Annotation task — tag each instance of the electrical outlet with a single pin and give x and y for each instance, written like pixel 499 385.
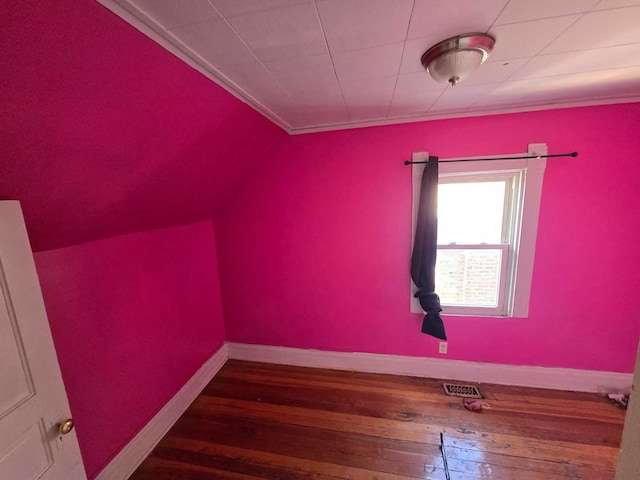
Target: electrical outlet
pixel 442 348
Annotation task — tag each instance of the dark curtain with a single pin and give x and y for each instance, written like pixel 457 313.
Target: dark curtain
pixel 425 248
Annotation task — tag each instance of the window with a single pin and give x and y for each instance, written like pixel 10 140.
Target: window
pixel 486 234
pixel 476 219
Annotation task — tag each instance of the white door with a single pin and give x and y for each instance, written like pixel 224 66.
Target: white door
pixel 32 396
pixel 629 460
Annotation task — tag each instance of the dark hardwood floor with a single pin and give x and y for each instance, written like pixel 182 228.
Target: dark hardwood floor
pixel 259 420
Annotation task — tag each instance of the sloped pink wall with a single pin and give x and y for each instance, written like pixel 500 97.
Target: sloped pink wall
pixel 104 132
pixel 314 253
pixel 133 318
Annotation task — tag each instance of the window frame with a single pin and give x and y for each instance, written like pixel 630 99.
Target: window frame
pixel 514 302
pixel 501 307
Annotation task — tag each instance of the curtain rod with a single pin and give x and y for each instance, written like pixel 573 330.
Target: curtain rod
pixel 572 154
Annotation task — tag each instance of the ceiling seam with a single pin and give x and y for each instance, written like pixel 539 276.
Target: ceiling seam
pixel 250 12
pixel 436 100
pixel 621 7
pixel 498 16
pixel 335 73
pixel 544 18
pixel 585 50
pixel 575 73
pixel 404 44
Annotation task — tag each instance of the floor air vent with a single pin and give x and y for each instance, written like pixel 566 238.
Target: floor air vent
pixel 466 391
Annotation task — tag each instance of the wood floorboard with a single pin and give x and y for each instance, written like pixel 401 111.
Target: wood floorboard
pixel 263 421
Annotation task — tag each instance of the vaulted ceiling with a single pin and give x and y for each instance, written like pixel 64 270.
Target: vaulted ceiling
pixel 322 64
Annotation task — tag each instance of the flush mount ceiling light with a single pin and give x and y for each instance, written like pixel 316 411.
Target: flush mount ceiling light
pixel 456 58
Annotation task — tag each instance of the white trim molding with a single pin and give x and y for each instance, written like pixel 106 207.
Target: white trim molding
pixel 519 375
pixel 481 112
pixel 132 455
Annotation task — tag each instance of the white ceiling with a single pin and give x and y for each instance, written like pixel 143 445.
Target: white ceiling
pixel 311 65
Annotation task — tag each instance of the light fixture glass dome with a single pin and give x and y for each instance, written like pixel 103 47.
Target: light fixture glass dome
pixel 456 58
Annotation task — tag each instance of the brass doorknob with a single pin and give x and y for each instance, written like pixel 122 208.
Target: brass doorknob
pixel 66 426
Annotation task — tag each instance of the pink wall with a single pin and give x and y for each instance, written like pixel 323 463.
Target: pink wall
pixel 314 253
pixel 104 132
pixel 133 318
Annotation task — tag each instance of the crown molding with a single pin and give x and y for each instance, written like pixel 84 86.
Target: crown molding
pixel 426 117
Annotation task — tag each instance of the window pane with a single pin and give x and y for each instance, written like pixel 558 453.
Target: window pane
pixel 470 213
pixel 468 277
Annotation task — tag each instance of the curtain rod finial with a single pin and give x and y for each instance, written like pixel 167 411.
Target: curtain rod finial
pixel 574 154
pixel 407 162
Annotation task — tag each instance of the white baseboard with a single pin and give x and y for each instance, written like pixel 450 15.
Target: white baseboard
pixel 132 455
pixel 524 376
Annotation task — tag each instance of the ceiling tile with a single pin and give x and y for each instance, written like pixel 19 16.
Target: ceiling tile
pixel 360 113
pixel 459 97
pixel 300 117
pixel 257 82
pixel 230 8
pixel 582 61
pixel 607 4
pixel 356 24
pixel 494 72
pixel 172 13
pixel 292 72
pixel 436 20
pixel 371 62
pixel 413 50
pixel 279 33
pixel 523 10
pixel 369 92
pixel 413 103
pixel 314 94
pixel 416 82
pixel 215 42
pixel 399 111
pixel 564 88
pixel 526 39
pixel 600 29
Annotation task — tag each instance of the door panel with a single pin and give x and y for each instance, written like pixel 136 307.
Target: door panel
pixel 32 395
pixel 15 379
pixel 27 454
